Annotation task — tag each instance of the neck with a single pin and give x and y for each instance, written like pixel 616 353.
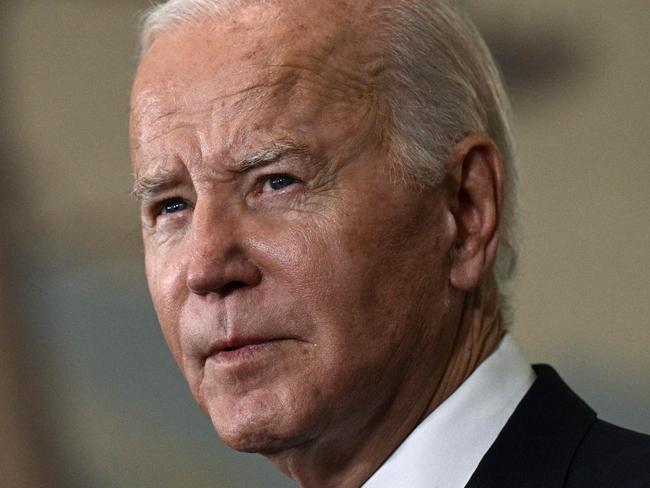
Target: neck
pixel 480 331
pixel 350 462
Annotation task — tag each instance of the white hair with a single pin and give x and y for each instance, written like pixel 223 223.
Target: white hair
pixel 454 88
pixel 173 12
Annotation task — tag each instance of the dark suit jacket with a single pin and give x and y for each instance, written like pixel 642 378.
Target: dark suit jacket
pixel 554 439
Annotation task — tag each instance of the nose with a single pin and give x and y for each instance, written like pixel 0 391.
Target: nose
pixel 219 260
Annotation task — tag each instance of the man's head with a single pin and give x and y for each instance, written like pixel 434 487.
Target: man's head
pixel 318 221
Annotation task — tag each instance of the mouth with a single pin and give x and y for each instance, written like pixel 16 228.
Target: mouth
pixel 237 350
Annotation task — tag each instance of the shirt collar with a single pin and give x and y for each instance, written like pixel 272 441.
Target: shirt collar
pixel 446 447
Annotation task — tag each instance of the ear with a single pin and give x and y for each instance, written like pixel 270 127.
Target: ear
pixel 475 176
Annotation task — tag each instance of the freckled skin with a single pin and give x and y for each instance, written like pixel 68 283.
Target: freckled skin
pixel 351 270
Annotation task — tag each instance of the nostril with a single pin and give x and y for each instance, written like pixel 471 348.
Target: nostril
pixel 232 286
pixel 221 277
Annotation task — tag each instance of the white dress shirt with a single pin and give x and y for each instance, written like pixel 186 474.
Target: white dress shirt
pixel 446 448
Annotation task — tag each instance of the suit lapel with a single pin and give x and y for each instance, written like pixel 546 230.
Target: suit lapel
pixel 537 444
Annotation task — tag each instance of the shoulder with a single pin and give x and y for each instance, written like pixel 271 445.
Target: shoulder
pixel 555 440
pixel 611 456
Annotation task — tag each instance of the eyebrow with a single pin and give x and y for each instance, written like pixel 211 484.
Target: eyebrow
pixel 146 187
pixel 271 154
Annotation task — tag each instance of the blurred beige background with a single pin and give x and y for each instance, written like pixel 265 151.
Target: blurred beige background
pixel 89 396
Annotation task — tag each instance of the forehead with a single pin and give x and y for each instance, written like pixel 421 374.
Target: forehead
pixel 257 46
pixel 263 67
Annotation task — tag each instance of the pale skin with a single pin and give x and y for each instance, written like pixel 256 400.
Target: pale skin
pixel 318 309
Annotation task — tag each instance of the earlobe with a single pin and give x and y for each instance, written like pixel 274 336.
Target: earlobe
pixel 476 174
pixel 466 274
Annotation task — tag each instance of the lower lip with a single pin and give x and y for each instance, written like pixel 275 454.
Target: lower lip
pixel 245 353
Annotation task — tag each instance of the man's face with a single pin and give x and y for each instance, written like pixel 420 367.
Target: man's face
pixel 300 289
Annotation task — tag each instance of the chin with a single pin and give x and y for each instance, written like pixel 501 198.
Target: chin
pixel 259 423
pixel 253 441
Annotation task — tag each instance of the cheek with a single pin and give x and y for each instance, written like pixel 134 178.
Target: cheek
pixel 383 281
pixel 296 257
pixel 165 277
pixel 331 285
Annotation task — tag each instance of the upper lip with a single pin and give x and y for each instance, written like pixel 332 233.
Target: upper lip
pixel 238 342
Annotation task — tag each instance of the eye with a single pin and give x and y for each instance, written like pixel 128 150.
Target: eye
pixel 278 182
pixel 173 205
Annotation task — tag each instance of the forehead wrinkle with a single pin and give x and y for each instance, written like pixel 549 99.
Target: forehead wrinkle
pixel 163 134
pixel 176 116
pixel 351 72
pixel 343 87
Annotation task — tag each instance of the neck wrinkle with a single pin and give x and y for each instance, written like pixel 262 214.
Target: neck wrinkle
pixel 480 331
